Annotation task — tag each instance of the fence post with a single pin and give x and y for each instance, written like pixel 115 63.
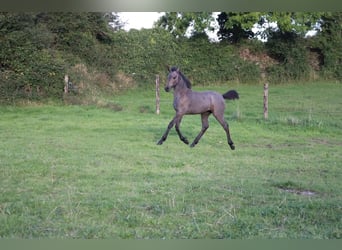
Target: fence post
pixel 157 95
pixel 266 101
pixel 66 84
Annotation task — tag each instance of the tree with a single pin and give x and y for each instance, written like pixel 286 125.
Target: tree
pixel 297 22
pixel 329 43
pixel 235 27
pixel 114 20
pixel 180 23
pixel 331 25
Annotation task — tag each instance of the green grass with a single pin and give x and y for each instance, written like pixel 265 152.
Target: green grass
pixel 89 172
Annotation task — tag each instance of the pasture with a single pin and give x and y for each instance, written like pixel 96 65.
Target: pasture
pixel 96 172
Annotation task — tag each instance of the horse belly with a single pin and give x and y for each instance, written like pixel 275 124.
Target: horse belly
pixel 200 103
pixel 214 101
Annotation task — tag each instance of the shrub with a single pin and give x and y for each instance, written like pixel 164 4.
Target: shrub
pixel 291 52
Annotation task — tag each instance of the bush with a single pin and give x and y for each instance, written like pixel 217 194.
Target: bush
pixel 37 50
pixel 145 53
pixel 28 71
pixel 90 86
pixel 332 59
pixel 292 54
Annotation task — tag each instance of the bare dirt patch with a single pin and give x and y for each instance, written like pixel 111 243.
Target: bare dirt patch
pixel 299 192
pixel 294 188
pixel 261 59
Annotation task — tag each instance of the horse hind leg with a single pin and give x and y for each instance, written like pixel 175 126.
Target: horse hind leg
pixel 224 124
pixel 205 126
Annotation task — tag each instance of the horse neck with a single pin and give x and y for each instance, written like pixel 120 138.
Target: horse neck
pixel 181 87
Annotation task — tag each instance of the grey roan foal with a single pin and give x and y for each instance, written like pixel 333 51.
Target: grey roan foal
pixel 187 102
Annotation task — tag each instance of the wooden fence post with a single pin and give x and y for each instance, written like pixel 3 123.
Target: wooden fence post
pixel 157 95
pixel 266 101
pixel 66 84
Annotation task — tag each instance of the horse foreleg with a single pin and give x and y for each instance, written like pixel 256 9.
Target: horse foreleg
pixel 205 126
pixel 169 127
pixel 181 137
pixel 176 120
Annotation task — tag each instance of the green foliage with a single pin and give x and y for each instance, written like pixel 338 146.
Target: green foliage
pixel 292 54
pixel 235 27
pixel 38 49
pixel 28 67
pixel 216 63
pixel 294 22
pixel 143 54
pixel 329 41
pixel 291 50
pixel 178 23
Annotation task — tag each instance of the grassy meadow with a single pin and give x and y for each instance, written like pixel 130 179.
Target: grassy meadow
pixel 96 172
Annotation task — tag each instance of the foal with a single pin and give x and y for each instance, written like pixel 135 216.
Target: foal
pixel 186 102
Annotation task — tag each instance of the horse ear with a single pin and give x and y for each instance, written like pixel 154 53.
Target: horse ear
pixel 178 70
pixel 168 68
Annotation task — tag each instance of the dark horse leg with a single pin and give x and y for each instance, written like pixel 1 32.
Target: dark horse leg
pixel 176 120
pixel 205 126
pixel 181 137
pixel 220 119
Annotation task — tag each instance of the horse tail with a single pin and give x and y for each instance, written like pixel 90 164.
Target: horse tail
pixel 231 95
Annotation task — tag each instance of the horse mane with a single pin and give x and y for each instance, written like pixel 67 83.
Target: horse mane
pixel 187 81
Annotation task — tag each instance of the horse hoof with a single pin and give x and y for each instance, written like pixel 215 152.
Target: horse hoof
pixel 232 146
pixel 185 141
pixel 159 143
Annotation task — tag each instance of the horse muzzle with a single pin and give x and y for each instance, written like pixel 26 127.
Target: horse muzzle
pixel 167 89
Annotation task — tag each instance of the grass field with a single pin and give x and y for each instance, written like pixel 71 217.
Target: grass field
pixel 90 172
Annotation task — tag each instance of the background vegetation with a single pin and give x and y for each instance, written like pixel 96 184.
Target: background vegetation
pixel 38 49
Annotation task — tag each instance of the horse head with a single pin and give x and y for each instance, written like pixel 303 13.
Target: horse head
pixel 173 78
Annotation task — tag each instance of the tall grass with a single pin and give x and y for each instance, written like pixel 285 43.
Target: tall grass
pixel 96 172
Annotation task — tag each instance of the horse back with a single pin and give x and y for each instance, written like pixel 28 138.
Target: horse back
pixel 199 102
